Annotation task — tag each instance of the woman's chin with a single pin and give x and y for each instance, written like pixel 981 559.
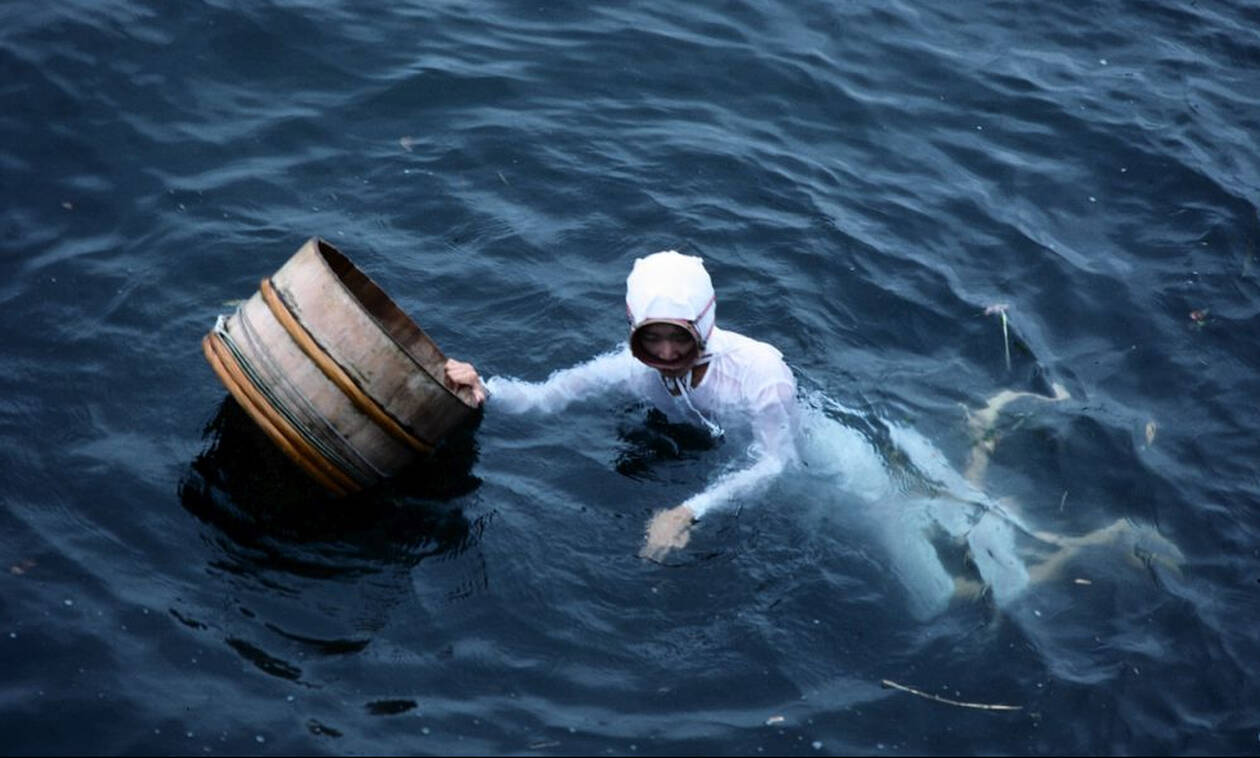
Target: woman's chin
pixel 677 371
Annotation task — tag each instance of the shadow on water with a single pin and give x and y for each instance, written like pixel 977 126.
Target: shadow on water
pixel 252 494
pixel 646 443
pixel 311 574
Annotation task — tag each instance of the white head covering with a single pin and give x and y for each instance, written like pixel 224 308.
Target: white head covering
pixel 668 287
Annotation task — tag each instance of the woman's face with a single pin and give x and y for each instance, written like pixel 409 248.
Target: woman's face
pixel 665 342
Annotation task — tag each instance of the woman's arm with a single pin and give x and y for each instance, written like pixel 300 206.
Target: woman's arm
pixel 600 374
pixel 773 448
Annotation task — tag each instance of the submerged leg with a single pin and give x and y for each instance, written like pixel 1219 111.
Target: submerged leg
pixel 844 457
pixel 963 510
pixel 847 461
pixel 992 543
pixel 982 424
pixel 902 529
pixel 1142 544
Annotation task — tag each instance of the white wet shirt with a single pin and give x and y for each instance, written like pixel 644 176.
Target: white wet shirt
pixel 747 382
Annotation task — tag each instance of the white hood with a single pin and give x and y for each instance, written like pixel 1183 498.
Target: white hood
pixel 671 288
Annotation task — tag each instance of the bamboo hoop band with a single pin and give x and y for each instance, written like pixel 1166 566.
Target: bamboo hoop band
pixel 335 373
pixel 276 427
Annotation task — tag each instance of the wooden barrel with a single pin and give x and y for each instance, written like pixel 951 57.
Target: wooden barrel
pixel 343 381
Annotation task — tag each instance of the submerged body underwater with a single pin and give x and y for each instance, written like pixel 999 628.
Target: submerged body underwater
pixel 918 508
pixel 909 499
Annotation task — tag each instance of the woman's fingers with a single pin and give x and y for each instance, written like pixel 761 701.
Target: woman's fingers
pixel 668 530
pixel 461 375
pixel 459 372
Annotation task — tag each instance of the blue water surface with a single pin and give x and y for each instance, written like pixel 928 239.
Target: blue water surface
pixel 863 179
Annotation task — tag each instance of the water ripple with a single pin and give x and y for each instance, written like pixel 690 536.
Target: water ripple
pixel 863 180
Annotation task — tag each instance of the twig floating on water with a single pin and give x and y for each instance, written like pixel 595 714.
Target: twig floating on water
pixel 888 683
pixel 1006 342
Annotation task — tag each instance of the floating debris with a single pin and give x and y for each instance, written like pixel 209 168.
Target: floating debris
pixel 1081 581
pixel 1150 432
pixel 22 567
pixel 321 730
pixel 407 143
pixel 888 683
pixel 391 707
pixel 774 720
pixel 1000 309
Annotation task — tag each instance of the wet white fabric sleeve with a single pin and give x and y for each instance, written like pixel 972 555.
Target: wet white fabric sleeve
pixel 611 371
pixel 772 449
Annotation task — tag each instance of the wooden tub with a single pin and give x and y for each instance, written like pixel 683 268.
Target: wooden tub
pixel 343 381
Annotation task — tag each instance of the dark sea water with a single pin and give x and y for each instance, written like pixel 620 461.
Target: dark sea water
pixel 862 178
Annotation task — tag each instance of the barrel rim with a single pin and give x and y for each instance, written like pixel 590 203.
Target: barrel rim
pixel 322 249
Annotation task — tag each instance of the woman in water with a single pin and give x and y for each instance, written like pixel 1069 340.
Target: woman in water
pixel 678 359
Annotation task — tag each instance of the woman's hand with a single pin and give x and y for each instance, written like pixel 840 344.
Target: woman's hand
pixel 668 530
pixel 462 379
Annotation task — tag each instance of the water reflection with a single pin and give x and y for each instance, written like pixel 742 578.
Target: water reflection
pixel 275 517
pixel 310 577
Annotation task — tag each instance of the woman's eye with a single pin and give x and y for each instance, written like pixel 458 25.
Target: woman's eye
pixel 677 339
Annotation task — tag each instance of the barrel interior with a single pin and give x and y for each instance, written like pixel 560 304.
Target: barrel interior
pixel 391 319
